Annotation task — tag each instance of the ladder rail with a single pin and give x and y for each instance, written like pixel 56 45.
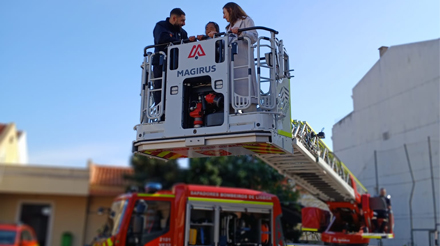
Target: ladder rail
pixel 302 131
pixel 266 100
pixel 145 70
pixel 154 110
pixel 240 102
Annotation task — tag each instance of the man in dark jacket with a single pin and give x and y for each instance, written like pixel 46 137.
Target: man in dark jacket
pixel 383 214
pixel 167 31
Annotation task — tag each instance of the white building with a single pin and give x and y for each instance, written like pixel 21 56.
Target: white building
pixel 13 145
pixel 396 107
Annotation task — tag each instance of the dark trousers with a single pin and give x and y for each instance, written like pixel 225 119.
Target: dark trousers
pixel 380 215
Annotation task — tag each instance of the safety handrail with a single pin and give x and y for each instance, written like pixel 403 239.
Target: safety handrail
pixel 258 28
pixel 249 28
pixel 149 108
pixel 153 112
pixel 217 34
pixel 266 100
pixel 144 83
pixel 240 101
pixel 164 44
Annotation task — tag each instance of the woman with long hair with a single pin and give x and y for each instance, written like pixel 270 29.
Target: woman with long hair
pixel 238 19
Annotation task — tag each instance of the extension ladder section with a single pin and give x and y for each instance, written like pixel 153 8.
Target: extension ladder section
pixel 314 167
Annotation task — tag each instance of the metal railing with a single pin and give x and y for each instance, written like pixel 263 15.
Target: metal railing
pixel 152 111
pixel 240 102
pixel 266 99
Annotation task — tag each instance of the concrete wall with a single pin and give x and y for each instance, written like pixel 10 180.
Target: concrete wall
pixel 22 148
pixel 67 215
pixel 396 103
pixel 43 180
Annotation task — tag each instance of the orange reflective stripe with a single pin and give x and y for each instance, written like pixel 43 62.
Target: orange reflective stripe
pixel 165 154
pixel 263 148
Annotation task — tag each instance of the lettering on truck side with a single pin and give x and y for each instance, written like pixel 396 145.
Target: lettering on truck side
pixel 194 71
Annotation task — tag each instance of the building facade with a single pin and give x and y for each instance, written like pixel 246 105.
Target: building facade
pixel 13 145
pixel 59 201
pixel 391 139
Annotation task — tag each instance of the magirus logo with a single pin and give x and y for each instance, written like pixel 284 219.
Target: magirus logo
pixel 196 51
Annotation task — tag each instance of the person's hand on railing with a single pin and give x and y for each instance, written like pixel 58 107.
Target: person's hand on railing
pixel 235 30
pixel 192 38
pixel 211 34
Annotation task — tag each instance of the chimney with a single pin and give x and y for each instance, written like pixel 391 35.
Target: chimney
pixel 382 50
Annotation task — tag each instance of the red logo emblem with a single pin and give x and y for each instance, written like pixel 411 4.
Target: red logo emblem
pixel 196 51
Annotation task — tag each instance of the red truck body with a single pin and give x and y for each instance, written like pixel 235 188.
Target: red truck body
pixel 352 222
pixel 194 215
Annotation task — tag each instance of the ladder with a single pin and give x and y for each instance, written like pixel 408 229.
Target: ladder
pixel 314 167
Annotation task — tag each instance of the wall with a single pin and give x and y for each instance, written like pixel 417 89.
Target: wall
pixel 22 148
pixel 396 104
pixel 43 180
pixel 8 145
pixel 68 214
pixel 74 199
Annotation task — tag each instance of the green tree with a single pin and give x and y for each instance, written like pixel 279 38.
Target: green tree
pixel 240 171
pixel 203 171
pixel 155 170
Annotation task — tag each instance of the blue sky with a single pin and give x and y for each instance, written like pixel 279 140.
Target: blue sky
pixel 70 70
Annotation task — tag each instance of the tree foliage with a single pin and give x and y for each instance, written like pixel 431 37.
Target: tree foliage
pixel 240 171
pixel 203 171
pixel 153 170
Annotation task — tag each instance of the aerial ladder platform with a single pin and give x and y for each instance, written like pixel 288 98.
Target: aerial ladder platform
pixel 204 104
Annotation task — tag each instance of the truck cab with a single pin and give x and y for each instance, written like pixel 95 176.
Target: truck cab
pixel 195 215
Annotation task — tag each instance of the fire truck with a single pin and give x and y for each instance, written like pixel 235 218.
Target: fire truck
pixel 195 215
pixel 231 96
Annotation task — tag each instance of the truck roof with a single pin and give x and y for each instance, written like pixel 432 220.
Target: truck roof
pixel 226 189
pixel 227 192
pixel 213 192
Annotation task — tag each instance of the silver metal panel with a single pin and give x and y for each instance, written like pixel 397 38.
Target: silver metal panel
pixel 200 141
pixel 209 141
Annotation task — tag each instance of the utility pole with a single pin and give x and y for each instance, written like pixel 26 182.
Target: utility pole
pixel 411 196
pixel 433 185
